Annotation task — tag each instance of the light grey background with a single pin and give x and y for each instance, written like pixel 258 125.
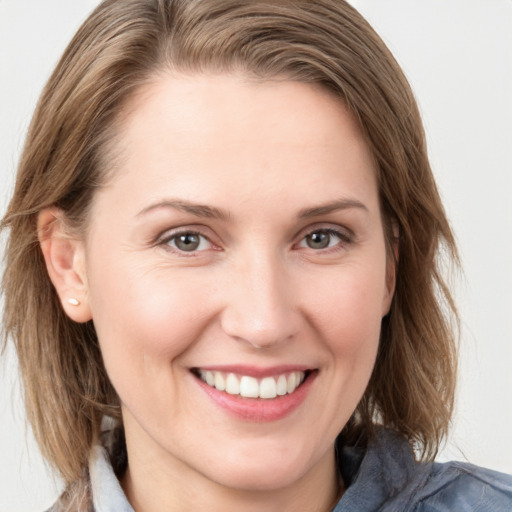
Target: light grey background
pixel 458 57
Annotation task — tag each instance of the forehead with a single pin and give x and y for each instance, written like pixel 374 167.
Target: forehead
pixel 212 104
pixel 231 130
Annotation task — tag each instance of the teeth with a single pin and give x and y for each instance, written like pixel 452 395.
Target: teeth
pixel 282 385
pixel 210 379
pixel 250 387
pixel 268 388
pixel 292 382
pixel 232 385
pixel 220 383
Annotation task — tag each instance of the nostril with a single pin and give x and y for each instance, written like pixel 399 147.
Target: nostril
pixel 257 331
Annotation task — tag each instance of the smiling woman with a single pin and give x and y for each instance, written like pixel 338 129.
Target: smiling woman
pixel 229 306
pixel 223 258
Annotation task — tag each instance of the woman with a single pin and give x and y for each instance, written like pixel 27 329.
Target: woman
pixel 222 273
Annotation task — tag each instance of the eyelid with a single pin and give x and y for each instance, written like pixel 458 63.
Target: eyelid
pixel 163 240
pixel 346 236
pixel 343 231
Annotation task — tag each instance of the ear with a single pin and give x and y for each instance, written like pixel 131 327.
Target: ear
pixel 391 268
pixel 64 256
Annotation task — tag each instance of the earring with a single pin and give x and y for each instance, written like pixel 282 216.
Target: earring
pixel 73 301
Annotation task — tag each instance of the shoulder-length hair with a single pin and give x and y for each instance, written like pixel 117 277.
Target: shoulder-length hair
pixel 123 45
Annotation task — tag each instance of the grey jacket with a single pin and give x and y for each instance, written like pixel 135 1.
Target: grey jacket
pixel 384 477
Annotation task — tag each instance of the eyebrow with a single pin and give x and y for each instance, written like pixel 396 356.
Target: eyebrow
pixel 340 204
pixel 199 210
pixel 211 212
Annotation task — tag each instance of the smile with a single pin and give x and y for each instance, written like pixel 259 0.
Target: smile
pixel 256 394
pixel 250 387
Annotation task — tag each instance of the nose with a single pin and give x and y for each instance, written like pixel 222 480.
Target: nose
pixel 260 305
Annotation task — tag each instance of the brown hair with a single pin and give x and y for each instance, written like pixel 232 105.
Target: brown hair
pixel 126 43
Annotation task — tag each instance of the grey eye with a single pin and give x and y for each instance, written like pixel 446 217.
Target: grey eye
pixel 187 242
pixel 318 240
pixel 324 239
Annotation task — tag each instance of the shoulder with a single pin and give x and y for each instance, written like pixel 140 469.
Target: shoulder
pixel 462 486
pixel 387 478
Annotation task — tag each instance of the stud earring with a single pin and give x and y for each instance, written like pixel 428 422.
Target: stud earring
pixel 73 301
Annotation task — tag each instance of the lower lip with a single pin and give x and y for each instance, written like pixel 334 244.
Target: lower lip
pixel 259 409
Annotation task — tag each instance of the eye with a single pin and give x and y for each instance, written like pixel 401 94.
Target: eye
pixel 188 241
pixel 323 239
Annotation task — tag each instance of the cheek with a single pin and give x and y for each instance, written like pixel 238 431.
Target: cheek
pixel 144 320
pixel 348 318
pixel 348 308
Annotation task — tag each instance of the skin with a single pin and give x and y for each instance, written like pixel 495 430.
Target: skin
pixel 255 292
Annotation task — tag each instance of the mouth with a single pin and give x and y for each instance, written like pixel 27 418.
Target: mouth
pixel 256 394
pixel 250 386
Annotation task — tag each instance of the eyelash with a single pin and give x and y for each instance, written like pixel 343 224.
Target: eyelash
pixel 345 239
pixel 169 237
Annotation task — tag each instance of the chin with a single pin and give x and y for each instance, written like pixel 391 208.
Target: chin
pixel 263 470
pixel 264 477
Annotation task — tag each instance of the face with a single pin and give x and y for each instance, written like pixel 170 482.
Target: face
pixel 237 277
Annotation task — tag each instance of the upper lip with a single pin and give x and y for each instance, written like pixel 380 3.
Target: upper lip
pixel 255 371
